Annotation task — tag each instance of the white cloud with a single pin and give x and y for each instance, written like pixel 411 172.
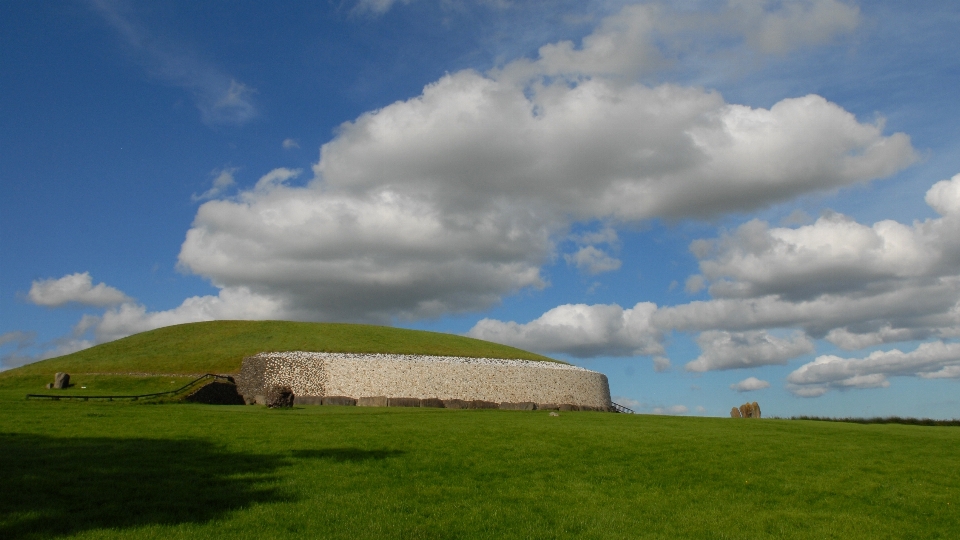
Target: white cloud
pixel 222 181
pixel 18 337
pixel 750 384
pixel 661 364
pixel 592 261
pixel 643 38
pixel 580 330
pixel 796 24
pixel 856 285
pixel 290 144
pixel 376 7
pixel 944 197
pixel 736 350
pixel 230 304
pixel 448 201
pixel 221 99
pixel 630 403
pixel 694 284
pixel 77 288
pixel 671 410
pixel 935 359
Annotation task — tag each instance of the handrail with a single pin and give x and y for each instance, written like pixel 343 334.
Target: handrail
pixel 132 398
pixel 621 409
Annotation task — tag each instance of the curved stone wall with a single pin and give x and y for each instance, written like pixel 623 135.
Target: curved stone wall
pixel 424 377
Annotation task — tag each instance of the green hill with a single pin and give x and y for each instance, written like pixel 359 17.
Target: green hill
pixel 219 347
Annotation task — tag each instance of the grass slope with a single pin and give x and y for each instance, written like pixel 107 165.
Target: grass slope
pixel 100 470
pixel 219 347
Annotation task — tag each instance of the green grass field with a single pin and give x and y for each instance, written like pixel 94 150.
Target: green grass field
pixel 73 469
pixel 127 470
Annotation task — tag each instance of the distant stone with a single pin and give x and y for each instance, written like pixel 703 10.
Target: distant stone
pixel 372 401
pixel 569 407
pixel 49 385
pixel 307 400
pixel 553 413
pixel 756 410
pixel 338 400
pixel 735 413
pixel 279 397
pixel 548 407
pixel 61 381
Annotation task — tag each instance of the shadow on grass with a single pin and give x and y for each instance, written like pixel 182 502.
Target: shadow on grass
pixel 342 455
pixel 58 486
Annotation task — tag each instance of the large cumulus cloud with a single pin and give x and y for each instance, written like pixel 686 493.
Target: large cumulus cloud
pixel 447 201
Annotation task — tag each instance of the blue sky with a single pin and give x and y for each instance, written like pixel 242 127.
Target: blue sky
pixel 709 202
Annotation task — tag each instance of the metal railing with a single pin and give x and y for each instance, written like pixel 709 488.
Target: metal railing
pixel 56 397
pixel 621 409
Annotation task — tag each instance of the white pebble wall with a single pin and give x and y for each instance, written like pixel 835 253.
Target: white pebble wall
pixel 416 376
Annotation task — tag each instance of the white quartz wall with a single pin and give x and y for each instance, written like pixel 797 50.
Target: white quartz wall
pixel 414 376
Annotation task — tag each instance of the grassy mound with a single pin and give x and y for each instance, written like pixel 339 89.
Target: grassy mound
pixel 219 347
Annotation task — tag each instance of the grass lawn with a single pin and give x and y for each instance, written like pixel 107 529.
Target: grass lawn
pixel 136 470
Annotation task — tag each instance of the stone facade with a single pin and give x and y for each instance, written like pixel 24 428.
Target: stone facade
pixel 362 376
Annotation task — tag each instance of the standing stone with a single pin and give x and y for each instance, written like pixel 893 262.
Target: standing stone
pixel 746 410
pixel 735 413
pixel 61 381
pixel 279 397
pixel 756 410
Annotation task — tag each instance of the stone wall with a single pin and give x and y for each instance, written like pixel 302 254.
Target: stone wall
pixel 413 376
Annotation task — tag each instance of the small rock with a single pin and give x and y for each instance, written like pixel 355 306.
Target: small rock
pixel 554 413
